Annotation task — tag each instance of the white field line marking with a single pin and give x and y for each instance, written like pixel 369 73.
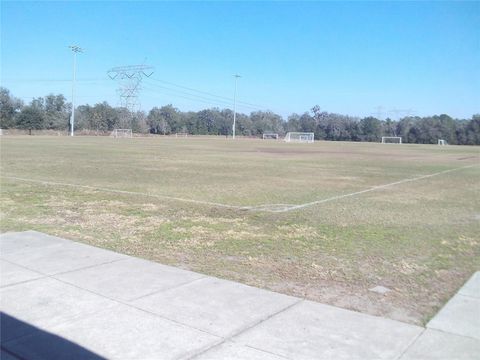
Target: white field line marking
pixel 95 188
pixel 272 208
pixel 374 188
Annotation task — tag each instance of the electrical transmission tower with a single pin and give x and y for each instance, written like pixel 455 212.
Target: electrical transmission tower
pixel 129 80
pixel 379 113
pixel 398 112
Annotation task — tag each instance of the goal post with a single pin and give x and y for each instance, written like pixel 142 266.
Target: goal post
pixel 122 133
pixel 391 139
pixel 270 136
pixel 442 142
pixel 300 137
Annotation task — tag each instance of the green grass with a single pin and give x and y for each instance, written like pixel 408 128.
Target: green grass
pixel 418 238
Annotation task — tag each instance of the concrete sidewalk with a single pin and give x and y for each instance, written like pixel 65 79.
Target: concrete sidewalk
pixel 66 300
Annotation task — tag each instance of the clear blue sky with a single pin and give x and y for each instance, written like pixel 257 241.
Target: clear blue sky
pixel 346 57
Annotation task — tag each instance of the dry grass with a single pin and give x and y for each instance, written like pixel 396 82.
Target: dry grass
pixel 420 239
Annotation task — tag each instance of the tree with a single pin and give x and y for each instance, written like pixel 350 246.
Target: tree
pixel 307 123
pixel 371 129
pixel 390 127
pixel 226 122
pixel 447 129
pixel 157 120
pixel 189 122
pixel 461 132
pixel 83 114
pixel 293 123
pixel 331 126
pixel 473 130
pixel 405 129
pixel 208 121
pixel 9 108
pixel 266 121
pixel 101 117
pixel 244 125
pixel 32 117
pixel 57 112
pixel 139 122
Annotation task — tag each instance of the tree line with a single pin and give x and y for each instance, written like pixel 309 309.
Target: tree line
pixel 53 112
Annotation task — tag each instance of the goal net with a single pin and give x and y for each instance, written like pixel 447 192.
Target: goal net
pixel 302 137
pixel 270 136
pixel 442 142
pixel 391 139
pixel 122 133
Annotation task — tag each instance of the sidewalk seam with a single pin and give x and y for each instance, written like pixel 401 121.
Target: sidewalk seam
pixel 85 267
pixel 121 302
pixel 167 289
pixel 411 344
pixel 451 333
pixel 245 329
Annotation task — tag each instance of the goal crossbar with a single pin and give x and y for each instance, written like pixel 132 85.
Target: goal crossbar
pixel 391 139
pixel 268 136
pixel 122 133
pixel 301 137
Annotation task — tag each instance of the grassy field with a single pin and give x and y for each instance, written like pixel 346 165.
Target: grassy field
pixel 419 238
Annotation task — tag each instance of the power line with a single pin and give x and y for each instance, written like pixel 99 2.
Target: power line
pixel 208 101
pixel 193 96
pixel 206 93
pixel 76 96
pixel 213 99
pixel 53 80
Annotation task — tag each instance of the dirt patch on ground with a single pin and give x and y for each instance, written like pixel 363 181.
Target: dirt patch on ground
pixel 353 298
pixel 292 279
pixel 286 151
pixel 468 157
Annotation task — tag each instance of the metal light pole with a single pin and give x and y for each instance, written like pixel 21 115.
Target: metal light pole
pixel 76 49
pixel 235 105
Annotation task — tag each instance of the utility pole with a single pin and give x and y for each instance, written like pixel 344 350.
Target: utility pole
pixel 236 76
pixel 75 49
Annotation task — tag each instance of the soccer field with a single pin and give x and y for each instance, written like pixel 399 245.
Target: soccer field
pixel 326 221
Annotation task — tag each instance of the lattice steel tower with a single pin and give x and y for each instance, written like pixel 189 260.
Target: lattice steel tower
pixel 129 80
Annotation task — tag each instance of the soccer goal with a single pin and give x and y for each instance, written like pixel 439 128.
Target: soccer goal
pixel 122 133
pixel 442 142
pixel 302 137
pixel 181 135
pixel 270 136
pixel 391 139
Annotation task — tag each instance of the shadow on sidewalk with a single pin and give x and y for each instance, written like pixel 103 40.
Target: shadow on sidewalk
pixel 24 341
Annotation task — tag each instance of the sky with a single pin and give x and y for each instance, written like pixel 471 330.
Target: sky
pixel 387 59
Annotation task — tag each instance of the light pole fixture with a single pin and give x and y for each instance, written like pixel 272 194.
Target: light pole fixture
pixel 236 76
pixel 75 49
